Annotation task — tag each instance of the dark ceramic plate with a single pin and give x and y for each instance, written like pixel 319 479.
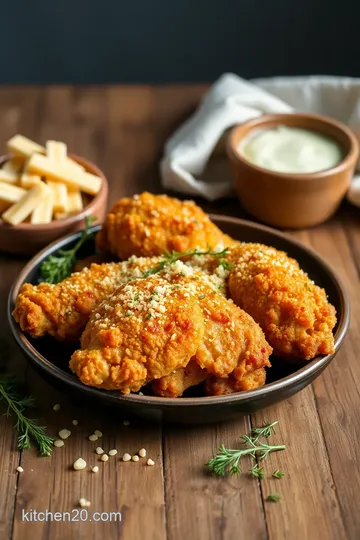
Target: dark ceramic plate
pixel 51 358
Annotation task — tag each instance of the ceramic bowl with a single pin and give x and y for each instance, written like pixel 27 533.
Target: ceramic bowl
pixel 28 239
pixel 283 379
pixel 292 200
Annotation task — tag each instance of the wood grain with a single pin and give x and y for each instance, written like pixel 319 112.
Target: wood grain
pixel 123 130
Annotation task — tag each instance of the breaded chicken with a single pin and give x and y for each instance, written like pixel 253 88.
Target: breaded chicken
pixel 147 225
pixel 63 310
pixel 221 387
pixel 175 384
pixel 293 312
pixel 145 330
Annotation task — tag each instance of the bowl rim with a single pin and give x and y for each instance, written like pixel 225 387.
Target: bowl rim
pixel 310 368
pixel 79 216
pixel 350 157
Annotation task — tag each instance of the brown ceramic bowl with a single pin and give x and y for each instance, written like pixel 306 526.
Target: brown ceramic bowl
pixel 51 358
pixel 292 200
pixel 26 238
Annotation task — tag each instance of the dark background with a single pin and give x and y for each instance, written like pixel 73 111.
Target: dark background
pixel 159 41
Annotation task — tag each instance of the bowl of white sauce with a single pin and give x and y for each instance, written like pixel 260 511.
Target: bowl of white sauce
pixel 292 170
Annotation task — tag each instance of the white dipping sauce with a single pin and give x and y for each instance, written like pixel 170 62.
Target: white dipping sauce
pixel 291 150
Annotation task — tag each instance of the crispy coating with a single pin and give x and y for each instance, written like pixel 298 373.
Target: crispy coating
pixel 147 225
pixel 221 387
pixel 293 312
pixel 144 331
pixel 63 310
pixel 175 384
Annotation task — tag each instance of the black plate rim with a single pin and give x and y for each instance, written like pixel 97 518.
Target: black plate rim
pixel 308 371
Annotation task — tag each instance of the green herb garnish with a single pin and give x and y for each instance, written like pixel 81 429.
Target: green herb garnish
pixel 171 258
pixel 266 430
pixel 278 474
pixel 274 497
pixel 58 267
pixel 27 428
pixel 257 471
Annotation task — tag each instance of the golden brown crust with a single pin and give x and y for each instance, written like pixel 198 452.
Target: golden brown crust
pixel 144 331
pixel 175 384
pixel 221 387
pixel 294 313
pixel 147 225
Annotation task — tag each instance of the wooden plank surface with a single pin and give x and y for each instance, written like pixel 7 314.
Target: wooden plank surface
pixel 123 130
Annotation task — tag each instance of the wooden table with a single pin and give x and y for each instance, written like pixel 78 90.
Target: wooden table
pixel 123 130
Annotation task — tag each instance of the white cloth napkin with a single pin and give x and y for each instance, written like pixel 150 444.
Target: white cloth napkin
pixel 232 100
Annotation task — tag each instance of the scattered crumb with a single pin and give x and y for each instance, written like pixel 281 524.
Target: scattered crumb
pixel 93 437
pixel 150 462
pixel 75 422
pixel 84 503
pixel 104 457
pixel 135 458
pixel 20 469
pixel 113 452
pixel 98 433
pixel 79 464
pixel 64 433
pixel 56 407
pixel 141 394
pixel 95 469
pixel 58 443
pixel 126 457
pixel 142 452
pixel 126 423
pixel 99 450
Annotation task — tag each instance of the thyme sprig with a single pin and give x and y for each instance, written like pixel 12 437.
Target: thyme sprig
pixel 28 428
pixel 58 267
pixel 266 430
pixel 173 256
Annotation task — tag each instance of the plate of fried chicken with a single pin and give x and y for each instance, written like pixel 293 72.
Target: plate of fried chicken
pixel 183 317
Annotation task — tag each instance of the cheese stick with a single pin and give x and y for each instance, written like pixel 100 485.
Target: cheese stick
pixel 28 181
pixel 89 183
pixel 75 202
pixel 60 196
pixel 56 151
pixel 44 210
pixel 23 147
pixel 9 177
pixel 10 193
pixel 23 208
pixel 13 165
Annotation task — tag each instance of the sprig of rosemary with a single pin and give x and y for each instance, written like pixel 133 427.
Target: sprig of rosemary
pixel 278 474
pixel 58 267
pixel 27 428
pixel 171 258
pixel 227 461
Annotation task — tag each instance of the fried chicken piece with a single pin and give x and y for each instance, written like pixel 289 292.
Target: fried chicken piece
pixel 250 381
pixel 175 384
pixel 232 341
pixel 144 331
pixel 292 310
pixel 63 310
pixel 147 225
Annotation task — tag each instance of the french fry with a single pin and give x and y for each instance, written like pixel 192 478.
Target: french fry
pixel 89 183
pixel 9 177
pixel 60 196
pixel 23 147
pixel 13 165
pixel 25 206
pixel 61 215
pixel 44 210
pixel 27 181
pixel 11 194
pixel 56 151
pixel 75 202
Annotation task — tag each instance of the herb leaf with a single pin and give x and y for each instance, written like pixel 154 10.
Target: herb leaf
pixel 257 471
pixel 278 474
pixel 27 428
pixel 58 267
pixel 265 431
pixel 274 497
